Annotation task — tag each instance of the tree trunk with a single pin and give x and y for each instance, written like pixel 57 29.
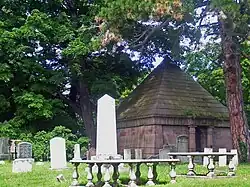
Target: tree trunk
pixel 232 73
pixel 83 107
pixel 87 113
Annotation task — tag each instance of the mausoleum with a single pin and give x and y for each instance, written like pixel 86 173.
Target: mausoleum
pixel 170 109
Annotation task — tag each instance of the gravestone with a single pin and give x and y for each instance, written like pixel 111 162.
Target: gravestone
pixel 182 146
pixel 24 160
pixel 138 153
pixel 58 153
pixel 24 150
pixel 106 144
pixel 205 158
pixel 222 159
pixel 77 152
pixel 127 154
pixel 235 158
pixel 163 153
pixel 4 149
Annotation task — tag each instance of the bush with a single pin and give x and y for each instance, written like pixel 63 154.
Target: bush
pixel 41 140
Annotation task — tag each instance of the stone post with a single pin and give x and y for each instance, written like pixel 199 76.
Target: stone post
pixel 191 138
pixel 127 154
pixel 138 153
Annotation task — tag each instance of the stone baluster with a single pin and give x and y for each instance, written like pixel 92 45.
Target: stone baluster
pixel 107 177
pixel 132 176
pixel 155 174
pixel 75 175
pixel 115 175
pixel 99 175
pixel 210 166
pixel 231 167
pixel 191 171
pixel 150 175
pixel 138 173
pixel 172 173
pixel 90 176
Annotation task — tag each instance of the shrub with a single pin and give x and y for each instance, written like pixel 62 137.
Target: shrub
pixel 41 140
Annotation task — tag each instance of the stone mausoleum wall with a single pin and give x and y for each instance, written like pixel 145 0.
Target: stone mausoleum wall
pixel 182 138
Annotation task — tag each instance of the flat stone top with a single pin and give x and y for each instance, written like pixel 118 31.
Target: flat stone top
pixel 201 154
pixel 124 161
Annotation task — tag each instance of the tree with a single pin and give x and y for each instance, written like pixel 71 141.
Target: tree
pixel 55 61
pixel 209 72
pixel 232 28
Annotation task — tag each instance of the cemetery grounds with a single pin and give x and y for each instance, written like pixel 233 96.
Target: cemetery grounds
pixel 42 176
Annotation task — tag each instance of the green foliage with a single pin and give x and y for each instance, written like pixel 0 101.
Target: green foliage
pixel 206 66
pixel 243 151
pixel 41 140
pixel 46 51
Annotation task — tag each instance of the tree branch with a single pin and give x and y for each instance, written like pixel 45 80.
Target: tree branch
pixel 147 37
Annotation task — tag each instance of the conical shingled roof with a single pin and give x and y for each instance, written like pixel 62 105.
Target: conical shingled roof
pixel 170 92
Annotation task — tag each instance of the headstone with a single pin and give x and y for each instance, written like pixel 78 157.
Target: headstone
pixel 235 158
pixel 222 159
pixel 106 144
pixel 205 158
pixel 77 152
pixel 58 153
pixel 138 153
pixel 182 146
pixel 24 150
pixel 127 154
pixel 4 149
pixel 22 165
pixel 163 153
pixel 24 160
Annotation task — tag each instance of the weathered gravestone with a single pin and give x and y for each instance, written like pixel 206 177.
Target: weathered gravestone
pixel 77 152
pixel 58 153
pixel 222 159
pixel 138 153
pixel 24 160
pixel 127 154
pixel 163 153
pixel 4 149
pixel 205 158
pixel 24 150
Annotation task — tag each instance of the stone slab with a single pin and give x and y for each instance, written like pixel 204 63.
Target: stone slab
pixel 222 159
pixel 21 165
pixel 205 158
pixel 58 153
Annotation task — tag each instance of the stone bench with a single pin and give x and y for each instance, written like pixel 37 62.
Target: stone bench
pixel 210 165
pixel 134 176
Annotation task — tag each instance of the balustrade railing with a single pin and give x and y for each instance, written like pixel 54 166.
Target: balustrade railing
pixel 134 171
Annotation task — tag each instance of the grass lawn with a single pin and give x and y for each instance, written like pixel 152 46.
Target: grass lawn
pixel 42 176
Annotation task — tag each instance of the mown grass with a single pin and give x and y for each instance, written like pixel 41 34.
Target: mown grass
pixel 42 176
